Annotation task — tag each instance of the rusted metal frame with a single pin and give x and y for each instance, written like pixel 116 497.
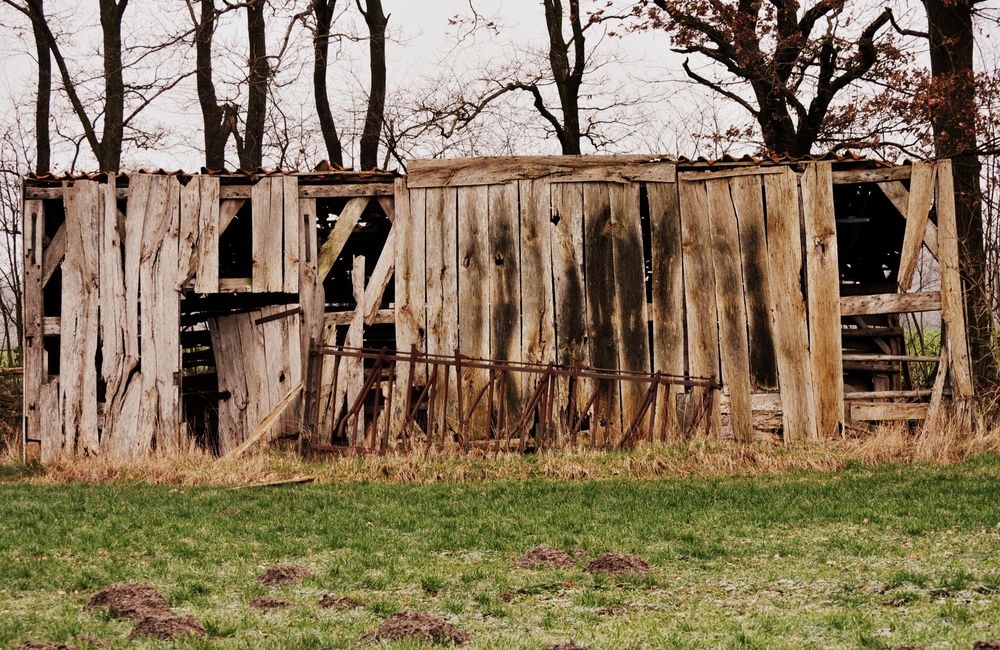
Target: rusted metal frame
pixel 384 439
pixel 583 414
pixel 281 314
pixel 458 391
pixel 486 364
pixel 647 399
pixel 533 403
pixel 444 409
pixel 431 396
pixel 358 404
pixel 333 393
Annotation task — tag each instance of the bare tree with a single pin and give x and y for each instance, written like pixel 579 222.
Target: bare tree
pixel 952 48
pixel 377 21
pixel 43 98
pixel 323 12
pixel 793 67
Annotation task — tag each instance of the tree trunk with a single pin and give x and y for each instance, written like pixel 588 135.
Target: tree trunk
pixel 211 113
pixel 323 11
pixel 568 80
pixel 43 100
pixel 952 43
pixel 110 154
pixel 370 136
pixel 252 150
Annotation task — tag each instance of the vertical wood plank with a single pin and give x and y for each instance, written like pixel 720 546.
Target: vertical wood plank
pixel 33 346
pixel 353 375
pixel 668 297
pixel 918 207
pixel 570 296
pixel 788 309
pixel 159 316
pixel 291 224
pixel 267 234
pixel 505 291
pixel 952 304
pixel 206 278
pixel 699 290
pixel 116 365
pixel 748 201
pixel 599 276
pixel 442 288
pixel 631 323
pixel 79 310
pixel 823 293
pixel 228 349
pixel 312 301
pixel 474 296
pixel 252 364
pixel 50 421
pixel 190 227
pixel 729 297
pixel 537 317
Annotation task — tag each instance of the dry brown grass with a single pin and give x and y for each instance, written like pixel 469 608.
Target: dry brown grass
pixel 704 458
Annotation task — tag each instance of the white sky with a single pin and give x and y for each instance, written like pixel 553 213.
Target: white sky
pixel 664 108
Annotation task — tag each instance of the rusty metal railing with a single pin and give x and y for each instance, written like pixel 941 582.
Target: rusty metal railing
pixel 404 400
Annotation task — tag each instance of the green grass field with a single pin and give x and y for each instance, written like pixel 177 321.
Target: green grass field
pixel 863 558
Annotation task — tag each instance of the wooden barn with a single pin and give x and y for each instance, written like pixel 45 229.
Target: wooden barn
pixel 521 302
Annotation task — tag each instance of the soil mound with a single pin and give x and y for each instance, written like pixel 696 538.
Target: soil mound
pixel 41 645
pixel 992 644
pixel 135 601
pixel 615 563
pixel 269 602
pixel 283 574
pixel 545 557
pixel 168 627
pixel 569 645
pixel 344 602
pixel 414 625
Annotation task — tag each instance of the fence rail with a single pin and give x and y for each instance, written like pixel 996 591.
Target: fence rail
pixel 404 400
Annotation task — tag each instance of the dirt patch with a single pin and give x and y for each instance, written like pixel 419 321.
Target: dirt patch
pixel 31 644
pixel 414 625
pixel 545 557
pixel 283 574
pixel 615 563
pixel 992 644
pixel 135 601
pixel 344 602
pixel 569 645
pixel 93 641
pixel 168 627
pixel 269 602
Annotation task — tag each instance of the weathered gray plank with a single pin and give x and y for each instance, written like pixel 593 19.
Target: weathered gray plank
pixel 505 291
pixel 291 224
pixel 474 297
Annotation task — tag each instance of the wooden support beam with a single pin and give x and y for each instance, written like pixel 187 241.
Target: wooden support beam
pixel 334 244
pixel 855 176
pixel 897 193
pixel 467 172
pixel 344 190
pixel 265 425
pixel 891 357
pixel 890 303
pixel 917 209
pixel 887 394
pixel 54 254
pixel 382 317
pixel 888 412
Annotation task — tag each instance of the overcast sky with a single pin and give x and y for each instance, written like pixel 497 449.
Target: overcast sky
pixel 662 113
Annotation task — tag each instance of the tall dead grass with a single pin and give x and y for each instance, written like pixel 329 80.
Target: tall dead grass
pixel 696 458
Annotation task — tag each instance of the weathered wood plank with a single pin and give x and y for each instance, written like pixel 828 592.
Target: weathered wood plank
pixel 599 275
pixel 668 299
pixel 334 244
pixel 159 317
pixel 952 303
pixel 50 422
pixel 54 254
pixel 917 210
pixel 899 196
pixel 467 172
pixel 823 295
pixel 755 172
pixel 890 303
pixel 570 298
pixel 228 349
pixel 190 228
pixel 266 204
pixel 206 274
pixel 266 425
pixel 353 190
pixel 36 373
pixel 409 290
pixel 474 297
pixel 748 201
pixel 631 324
pixel 312 301
pixel 442 308
pixel 505 292
pixel 291 223
pixel 881 175
pixel 887 411
pixel 80 302
pixel 352 369
pixel 699 289
pixel 734 350
pixel 788 309
pixel 380 278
